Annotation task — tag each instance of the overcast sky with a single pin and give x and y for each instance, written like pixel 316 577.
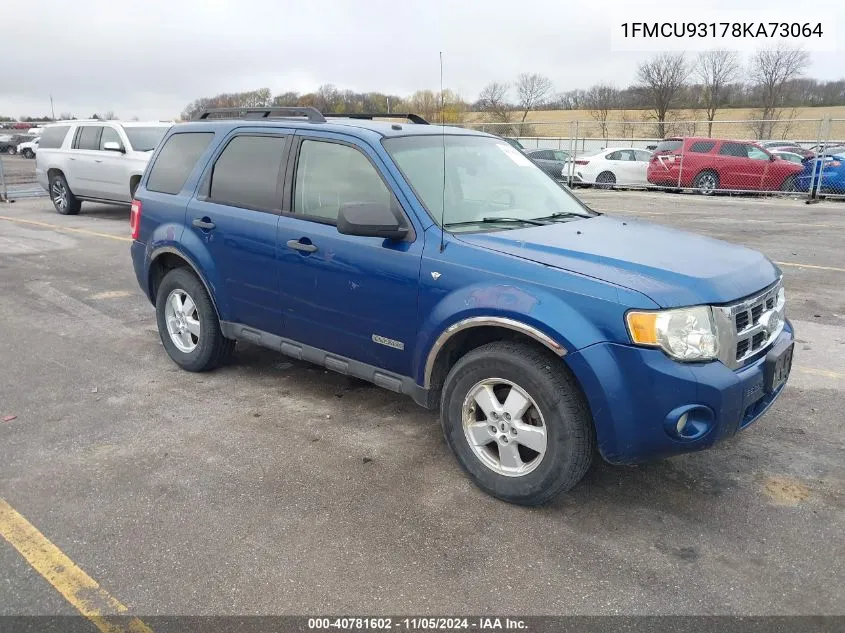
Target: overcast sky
pixel 151 58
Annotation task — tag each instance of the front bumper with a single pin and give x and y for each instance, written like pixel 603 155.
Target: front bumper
pixel 632 391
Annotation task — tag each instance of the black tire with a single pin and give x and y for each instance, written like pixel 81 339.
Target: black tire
pixel 605 180
pixel 10 150
pixel 212 348
pixel 569 428
pixel 706 183
pixel 28 153
pixel 789 184
pixel 67 205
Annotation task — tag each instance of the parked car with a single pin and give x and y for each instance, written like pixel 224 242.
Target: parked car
pixel 541 329
pixel 8 143
pixel 28 149
pixel 100 161
pixel 612 166
pixel 550 161
pixel 787 146
pixel 829 170
pixel 790 156
pixel 710 164
pixel 514 143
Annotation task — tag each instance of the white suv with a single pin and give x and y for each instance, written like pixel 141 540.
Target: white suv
pixel 100 161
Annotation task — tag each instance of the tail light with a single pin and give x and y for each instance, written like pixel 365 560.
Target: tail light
pixel 135 219
pixel 582 162
pixel 834 163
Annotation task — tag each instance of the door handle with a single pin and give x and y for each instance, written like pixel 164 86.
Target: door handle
pixel 202 223
pixel 299 246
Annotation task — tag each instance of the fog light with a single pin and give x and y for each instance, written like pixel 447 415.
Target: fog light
pixel 682 423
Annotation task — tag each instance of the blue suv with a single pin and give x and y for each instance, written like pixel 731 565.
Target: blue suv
pixel 442 263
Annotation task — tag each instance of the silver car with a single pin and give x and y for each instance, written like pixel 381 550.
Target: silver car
pixel 100 161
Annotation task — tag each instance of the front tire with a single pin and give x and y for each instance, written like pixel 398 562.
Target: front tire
pixel 61 195
pixel 517 422
pixel 28 153
pixel 789 185
pixel 188 324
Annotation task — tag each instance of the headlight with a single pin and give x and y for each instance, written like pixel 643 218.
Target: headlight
pixel 685 334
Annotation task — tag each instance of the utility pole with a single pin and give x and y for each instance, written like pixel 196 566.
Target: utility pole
pixel 52 111
pixel 388 105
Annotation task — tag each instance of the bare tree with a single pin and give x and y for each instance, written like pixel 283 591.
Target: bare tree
pixel 532 89
pixel 716 70
pixel 286 99
pixel 493 101
pixel 662 79
pixel 600 100
pixel 771 71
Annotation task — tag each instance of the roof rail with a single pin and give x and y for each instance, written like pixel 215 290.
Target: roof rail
pixel 312 114
pixel 413 118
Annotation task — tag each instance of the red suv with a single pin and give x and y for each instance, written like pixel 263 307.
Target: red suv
pixel 708 164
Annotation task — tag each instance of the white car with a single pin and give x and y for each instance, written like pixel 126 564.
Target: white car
pixel 29 149
pixel 612 166
pixel 100 161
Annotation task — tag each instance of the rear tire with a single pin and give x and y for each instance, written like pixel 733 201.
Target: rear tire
pixel 28 153
pixel 532 438
pixel 706 183
pixel 789 184
pixel 188 323
pixel 605 180
pixel 61 195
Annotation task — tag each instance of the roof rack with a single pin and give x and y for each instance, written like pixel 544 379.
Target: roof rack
pixel 312 114
pixel 413 118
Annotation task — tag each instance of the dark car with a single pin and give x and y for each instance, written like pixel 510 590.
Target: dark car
pixel 550 161
pixel 787 146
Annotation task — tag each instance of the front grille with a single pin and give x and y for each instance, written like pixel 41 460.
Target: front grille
pixel 748 326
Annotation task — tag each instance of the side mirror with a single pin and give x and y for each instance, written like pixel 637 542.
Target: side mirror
pixel 111 146
pixel 369 219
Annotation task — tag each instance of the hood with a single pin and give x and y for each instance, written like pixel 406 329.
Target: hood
pixel 673 268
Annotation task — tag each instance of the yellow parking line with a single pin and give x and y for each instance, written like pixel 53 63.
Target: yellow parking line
pixel 821 372
pixel 813 266
pixel 58 227
pixel 77 587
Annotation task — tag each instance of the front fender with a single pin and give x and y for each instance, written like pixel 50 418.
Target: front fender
pixel 171 238
pixel 536 312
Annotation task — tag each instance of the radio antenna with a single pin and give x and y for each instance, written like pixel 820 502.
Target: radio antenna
pixel 443 139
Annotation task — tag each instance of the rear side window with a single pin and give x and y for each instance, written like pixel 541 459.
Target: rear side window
pixel 247 173
pixel 176 161
pixel 88 137
pixel 671 145
pixel 53 137
pixel 702 147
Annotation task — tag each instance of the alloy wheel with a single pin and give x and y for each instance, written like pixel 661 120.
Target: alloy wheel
pixel 504 427
pixel 183 325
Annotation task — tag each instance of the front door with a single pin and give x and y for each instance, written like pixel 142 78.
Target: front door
pixel 235 213
pixel 349 295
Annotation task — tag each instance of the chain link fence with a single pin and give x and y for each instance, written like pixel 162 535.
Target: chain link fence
pixel 17 178
pixel 707 157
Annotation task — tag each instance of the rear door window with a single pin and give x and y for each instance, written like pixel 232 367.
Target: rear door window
pixel 702 147
pixel 247 173
pixel 737 150
pixel 88 137
pixel 53 137
pixel 176 161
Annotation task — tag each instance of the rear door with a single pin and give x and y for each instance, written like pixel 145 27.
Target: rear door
pixel 82 173
pixel 235 214
pixel 350 295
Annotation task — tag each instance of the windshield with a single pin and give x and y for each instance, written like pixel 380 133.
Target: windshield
pixel 489 184
pixel 144 139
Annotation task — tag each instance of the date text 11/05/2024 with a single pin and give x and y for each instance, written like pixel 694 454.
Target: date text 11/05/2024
pixel 418 624
pixel 762 30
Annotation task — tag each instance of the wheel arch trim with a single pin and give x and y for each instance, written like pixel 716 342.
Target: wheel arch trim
pixel 482 321
pixel 161 250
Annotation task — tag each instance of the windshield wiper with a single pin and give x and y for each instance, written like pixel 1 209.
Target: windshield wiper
pixel 497 221
pixel 563 214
